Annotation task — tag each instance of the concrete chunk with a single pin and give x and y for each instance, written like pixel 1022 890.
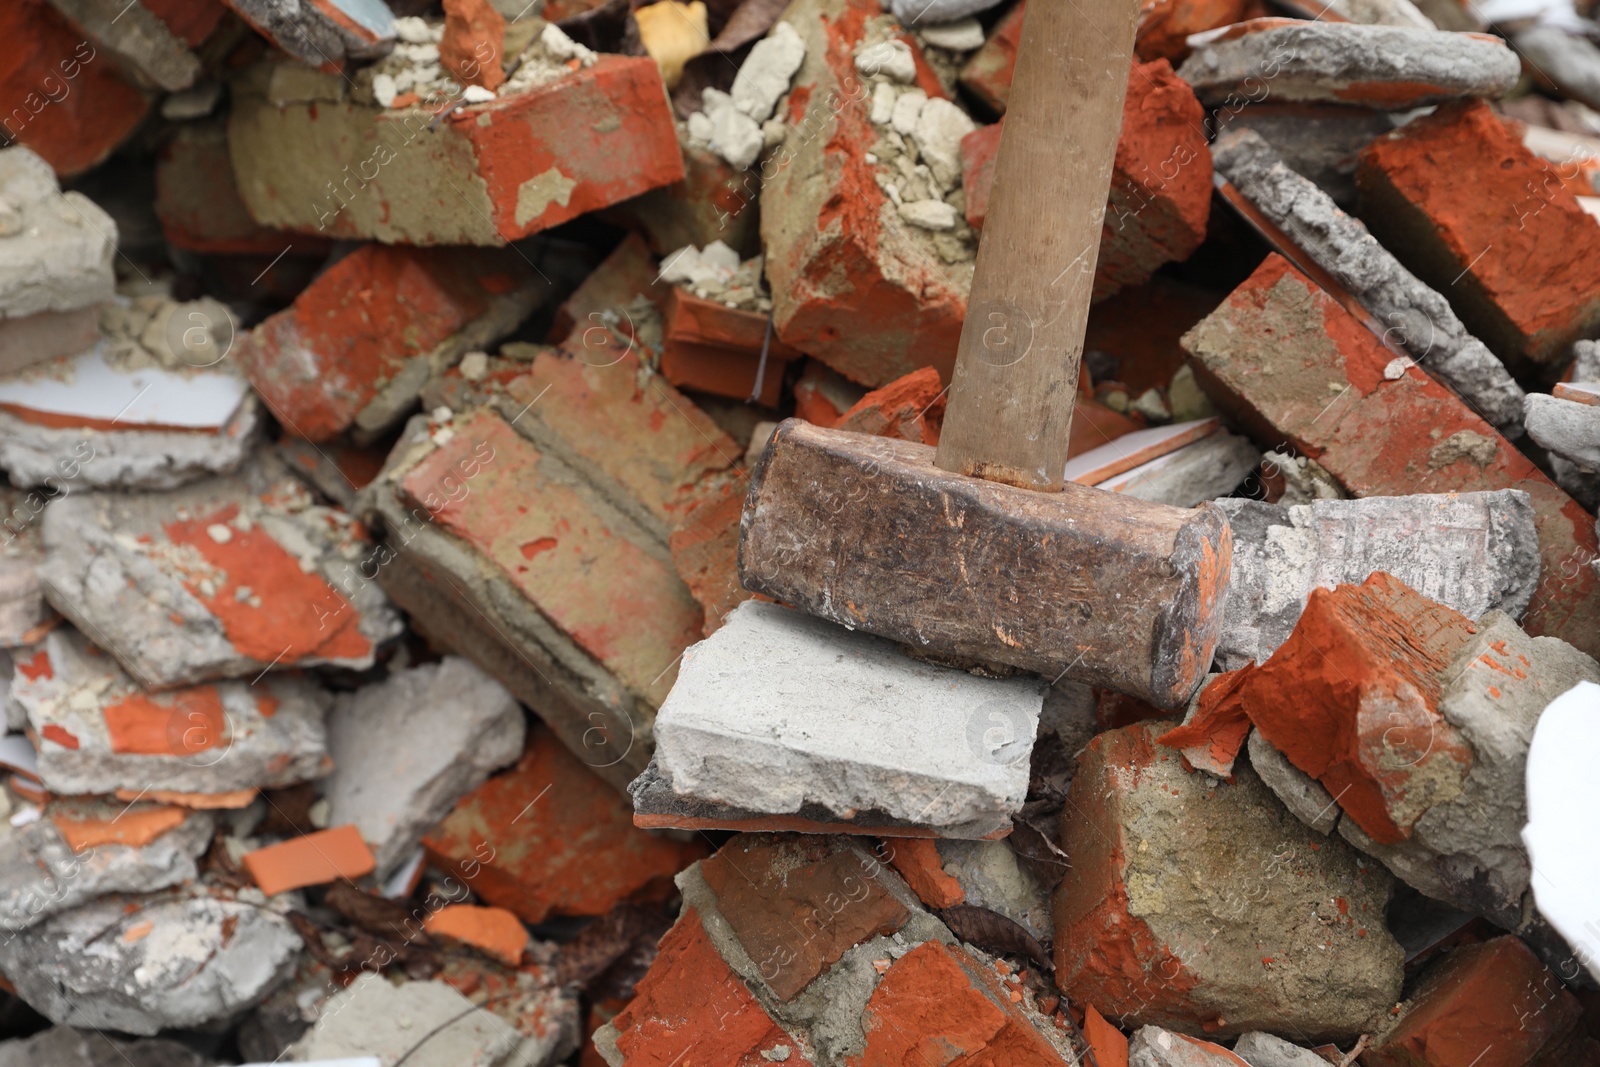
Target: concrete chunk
pixel 1475 552
pixel 99 731
pixel 145 966
pixel 1406 310
pixel 778 709
pixel 1302 794
pixel 223 578
pixel 1152 1046
pixel 62 1046
pixel 55 248
pixel 1348 63
pixel 1569 429
pixel 136 36
pixel 408 748
pixel 1264 1050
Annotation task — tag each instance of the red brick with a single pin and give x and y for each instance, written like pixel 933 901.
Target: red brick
pixel 1141 326
pixel 1483 220
pixel 853 286
pixel 910 409
pixel 822 395
pixel 314 859
pixel 321 362
pixel 1213 736
pixel 495 932
pixel 797 903
pixel 493 172
pixel 917 860
pixel 549 837
pixel 1285 361
pixel 627 273
pixel 198 203
pixel 691 1009
pixel 1106 1042
pixel 938 1006
pixel 988 73
pixel 717 349
pixel 705 547
pixel 1161 188
pixel 473 42
pixel 713 202
pixel 1487 1005
pixel 63 98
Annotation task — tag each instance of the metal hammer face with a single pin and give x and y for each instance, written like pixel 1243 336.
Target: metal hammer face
pixel 869 533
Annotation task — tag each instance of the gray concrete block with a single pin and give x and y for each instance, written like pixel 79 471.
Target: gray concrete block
pixel 1212 467
pixel 32 455
pixel 1415 317
pixel 777 710
pixel 1151 1046
pixel 55 248
pixel 1302 794
pixel 406 749
pixel 225 578
pixel 1264 1050
pixel 210 739
pixel 41 874
pixel 62 1046
pixel 1349 63
pixel 1570 61
pixel 1567 428
pixel 142 965
pixel 1586 361
pixel 1475 552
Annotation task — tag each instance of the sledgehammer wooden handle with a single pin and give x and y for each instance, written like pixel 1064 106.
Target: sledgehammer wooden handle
pixel 1010 411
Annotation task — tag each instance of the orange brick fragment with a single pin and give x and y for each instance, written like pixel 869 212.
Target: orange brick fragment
pixel 473 43
pixel 133 829
pixel 917 860
pixel 495 932
pixel 1109 1045
pixel 314 859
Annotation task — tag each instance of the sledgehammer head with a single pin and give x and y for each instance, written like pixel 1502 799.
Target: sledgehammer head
pixel 1082 584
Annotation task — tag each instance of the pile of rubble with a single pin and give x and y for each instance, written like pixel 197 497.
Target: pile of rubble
pixel 400 666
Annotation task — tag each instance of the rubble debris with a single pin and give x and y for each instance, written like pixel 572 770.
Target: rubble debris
pixel 63 1046
pixel 1154 1047
pixel 1564 59
pixel 445 1028
pixel 1563 740
pixel 1200 471
pixel 1474 552
pixel 139 38
pixel 493 931
pixel 550 838
pixel 1381 437
pixel 1347 63
pixel 223 578
pixel 935 12
pixel 541 154
pixel 56 251
pixel 1438 189
pixel 85 850
pixel 987 75
pixel 1265 1050
pixel 1404 311
pixel 1435 787
pixel 98 731
pixel 363 339
pixel 1286 931
pixel 142 965
pixel 408 748
pixel 322 33
pixel 1568 428
pixel 729 735
pixel 563 442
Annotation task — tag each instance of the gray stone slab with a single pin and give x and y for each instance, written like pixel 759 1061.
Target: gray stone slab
pixel 1302 794
pixel 136 36
pixel 55 248
pixel 777 710
pixel 1567 428
pixel 1264 1050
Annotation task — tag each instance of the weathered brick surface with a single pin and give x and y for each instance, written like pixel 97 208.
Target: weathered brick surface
pixel 198 202
pixel 853 285
pixel 705 547
pixel 1160 190
pixel 550 837
pixel 1488 1005
pixel 310 159
pixel 988 73
pixel 798 903
pixel 1479 217
pixel 374 327
pixel 713 202
pixel 1289 364
pixel 63 98
pixel 717 349
pixel 692 1009
pixel 1264 924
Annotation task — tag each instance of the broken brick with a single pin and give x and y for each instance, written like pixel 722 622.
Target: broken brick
pixel 917 860
pixel 602 301
pixel 1483 220
pixel 536 158
pixel 988 73
pixel 314 859
pixel 712 1017
pixel 1490 1005
pixel 549 837
pixel 798 903
pixel 1160 189
pixel 1266 921
pixel 474 39
pixel 63 99
pixel 719 350
pixel 359 343
pixel 714 201
pixel 495 932
pixel 910 409
pixel 1166 25
pixel 198 201
pixel 705 547
pixel 1328 396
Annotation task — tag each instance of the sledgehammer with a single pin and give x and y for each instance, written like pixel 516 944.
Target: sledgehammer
pixel 980 552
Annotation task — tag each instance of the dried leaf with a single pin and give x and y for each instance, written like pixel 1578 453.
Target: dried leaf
pixel 387 919
pixel 751 21
pixel 607 28
pixel 993 932
pixel 605 941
